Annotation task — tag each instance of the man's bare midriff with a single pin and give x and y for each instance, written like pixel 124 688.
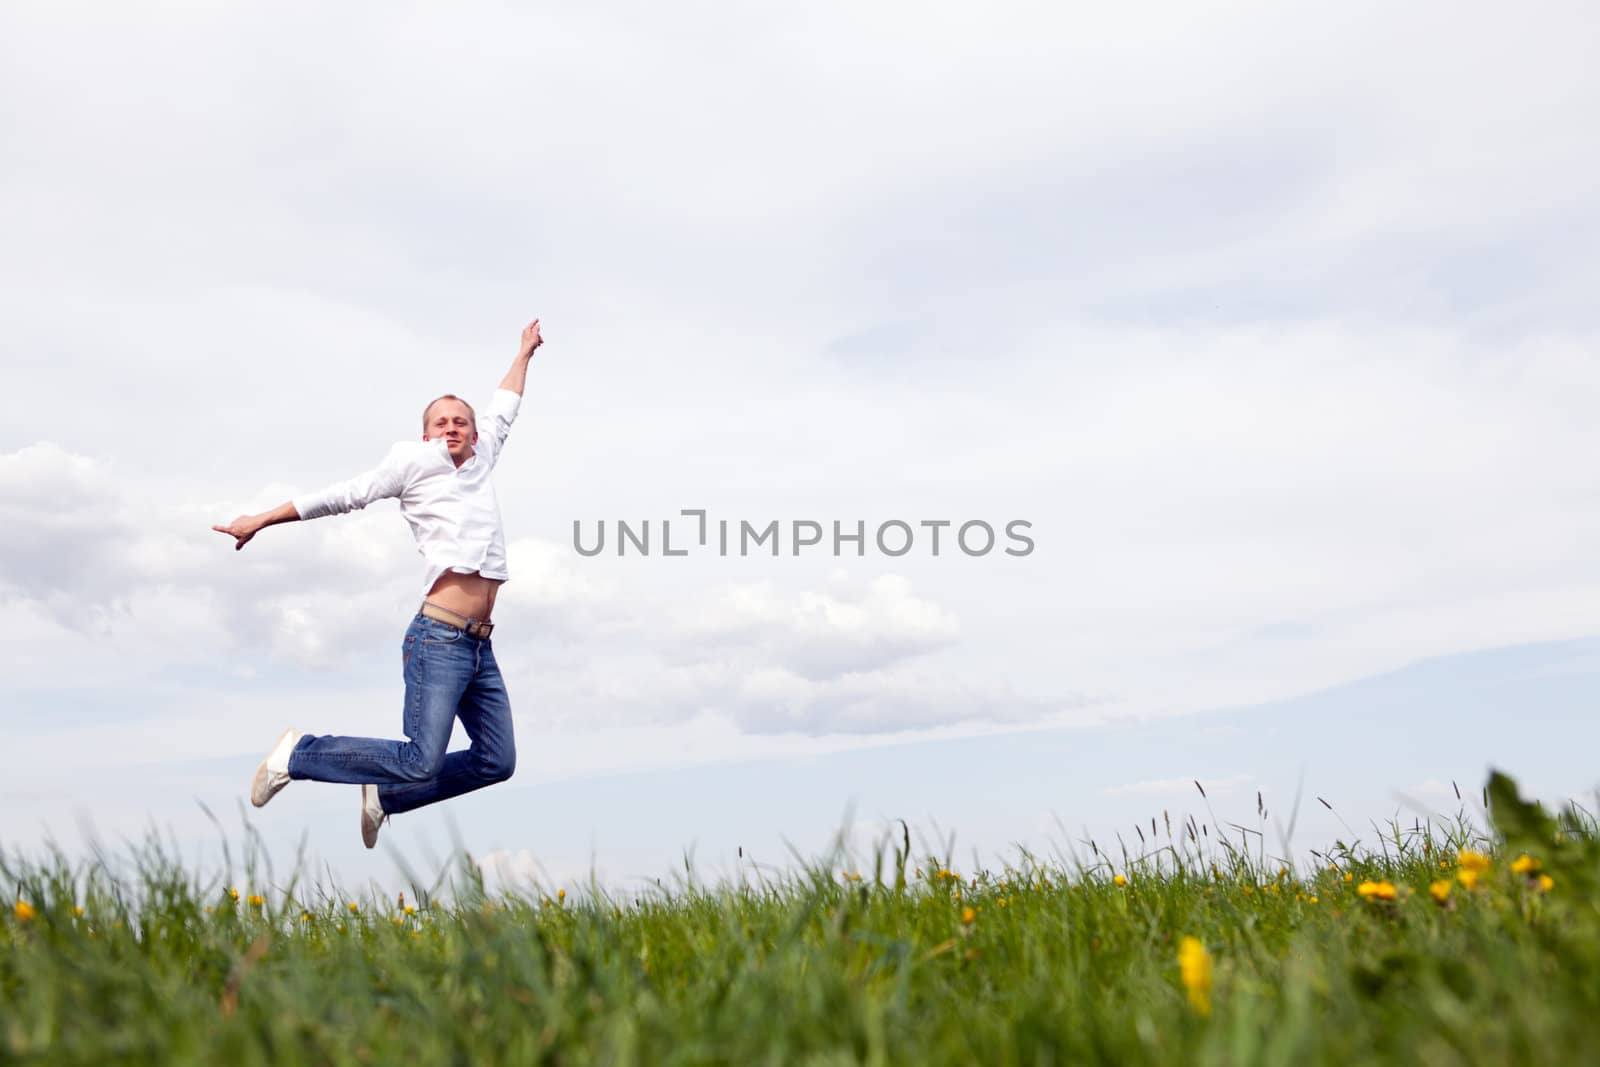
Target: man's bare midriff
pixel 470 595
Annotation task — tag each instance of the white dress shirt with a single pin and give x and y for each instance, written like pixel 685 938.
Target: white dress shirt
pixel 452 510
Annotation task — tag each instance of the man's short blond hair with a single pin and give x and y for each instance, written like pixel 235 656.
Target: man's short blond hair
pixel 473 415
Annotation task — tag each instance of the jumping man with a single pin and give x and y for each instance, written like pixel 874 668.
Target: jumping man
pixel 445 494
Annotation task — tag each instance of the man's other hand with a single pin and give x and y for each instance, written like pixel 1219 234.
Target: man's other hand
pixel 243 528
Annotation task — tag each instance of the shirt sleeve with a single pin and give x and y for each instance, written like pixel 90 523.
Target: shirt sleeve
pixel 497 420
pixel 387 479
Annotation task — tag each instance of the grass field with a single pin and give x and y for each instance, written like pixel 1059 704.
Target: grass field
pixel 1433 945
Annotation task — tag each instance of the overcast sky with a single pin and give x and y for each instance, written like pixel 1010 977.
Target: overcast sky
pixel 1275 322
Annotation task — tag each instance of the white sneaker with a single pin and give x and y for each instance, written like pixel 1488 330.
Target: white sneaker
pixel 372 816
pixel 273 774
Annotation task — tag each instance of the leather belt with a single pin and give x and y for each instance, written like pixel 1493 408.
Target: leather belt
pixel 467 626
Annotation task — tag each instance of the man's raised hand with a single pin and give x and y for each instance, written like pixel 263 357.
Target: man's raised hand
pixel 530 339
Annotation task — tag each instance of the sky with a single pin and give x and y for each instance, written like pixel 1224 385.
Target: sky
pixel 1273 323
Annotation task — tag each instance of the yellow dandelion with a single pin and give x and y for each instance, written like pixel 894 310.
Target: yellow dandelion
pixel 233 895
pixel 1467 877
pixel 256 901
pixel 561 894
pixel 354 909
pixel 1311 900
pixel 1194 967
pixel 1119 880
pixel 1377 890
pixel 1440 891
pixel 410 910
pixel 969 915
pixel 23 911
pixel 1348 877
pixel 1546 883
pixel 77 912
pixel 1283 872
pixel 305 916
pixel 1472 860
pixel 1444 865
pixel 1524 864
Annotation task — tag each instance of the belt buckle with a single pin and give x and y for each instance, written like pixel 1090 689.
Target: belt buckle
pixel 484 630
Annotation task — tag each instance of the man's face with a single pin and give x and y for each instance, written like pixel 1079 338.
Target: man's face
pixel 449 421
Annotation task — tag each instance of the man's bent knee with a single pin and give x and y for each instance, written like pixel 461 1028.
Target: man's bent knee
pixel 420 766
pixel 497 766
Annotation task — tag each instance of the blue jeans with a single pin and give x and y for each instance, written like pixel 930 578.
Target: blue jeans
pixel 448 675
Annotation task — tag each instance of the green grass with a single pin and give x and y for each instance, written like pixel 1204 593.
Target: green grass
pixel 1054 964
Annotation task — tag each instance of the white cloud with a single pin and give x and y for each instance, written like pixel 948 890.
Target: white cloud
pixel 822 634
pixel 769 658
pixel 100 550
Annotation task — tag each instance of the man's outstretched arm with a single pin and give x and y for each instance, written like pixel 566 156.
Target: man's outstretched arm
pixel 517 377
pixel 247 526
pixel 384 480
